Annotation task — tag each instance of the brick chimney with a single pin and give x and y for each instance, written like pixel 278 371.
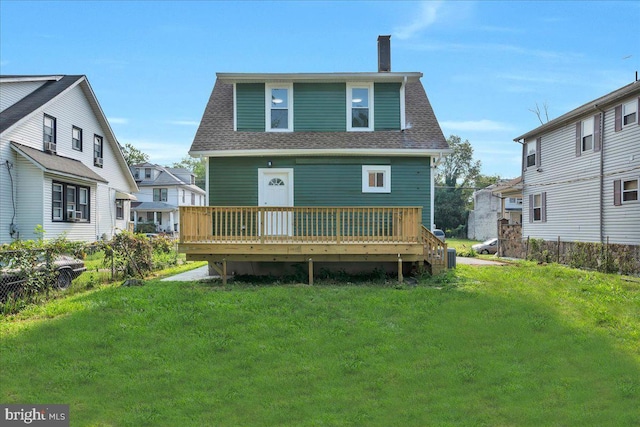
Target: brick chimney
pixel 384 54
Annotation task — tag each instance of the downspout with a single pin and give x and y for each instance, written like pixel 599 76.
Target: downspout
pixel 434 165
pixel 597 107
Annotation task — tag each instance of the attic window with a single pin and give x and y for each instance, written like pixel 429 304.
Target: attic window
pixel 359 107
pixel 279 111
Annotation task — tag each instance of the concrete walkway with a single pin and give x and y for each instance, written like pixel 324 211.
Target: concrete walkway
pixel 196 274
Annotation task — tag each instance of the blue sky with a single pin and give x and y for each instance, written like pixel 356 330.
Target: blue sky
pixel 152 64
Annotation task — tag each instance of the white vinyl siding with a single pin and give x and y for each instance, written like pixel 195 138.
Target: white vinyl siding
pixel 572 185
pixel 72 108
pixel 12 92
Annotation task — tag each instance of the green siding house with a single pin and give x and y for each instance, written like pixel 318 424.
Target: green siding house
pixel 365 139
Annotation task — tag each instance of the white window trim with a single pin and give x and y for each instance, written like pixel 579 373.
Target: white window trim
pixel 531 151
pixel 367 169
pixel 633 108
pixel 587 131
pixel 267 104
pixel 636 190
pixel 539 195
pixel 368 86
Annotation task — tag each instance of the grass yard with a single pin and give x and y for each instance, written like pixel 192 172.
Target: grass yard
pixel 519 345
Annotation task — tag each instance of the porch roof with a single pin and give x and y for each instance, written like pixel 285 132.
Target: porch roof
pixel 54 163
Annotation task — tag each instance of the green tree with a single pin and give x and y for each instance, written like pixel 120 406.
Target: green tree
pixel 196 165
pixel 133 156
pixel 456 177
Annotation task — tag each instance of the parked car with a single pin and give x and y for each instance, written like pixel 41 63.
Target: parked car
pixel 439 234
pixel 487 247
pixel 66 268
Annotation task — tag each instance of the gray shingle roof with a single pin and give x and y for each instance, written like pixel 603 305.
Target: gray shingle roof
pixel 35 100
pixel 54 163
pixel 153 206
pixel 216 133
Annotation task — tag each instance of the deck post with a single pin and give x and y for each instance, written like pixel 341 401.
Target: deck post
pixel 311 271
pixel 400 278
pixel 224 272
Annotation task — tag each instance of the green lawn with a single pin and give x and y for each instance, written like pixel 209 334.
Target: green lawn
pixel 519 345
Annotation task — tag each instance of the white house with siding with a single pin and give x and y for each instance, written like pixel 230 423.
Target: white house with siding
pixel 60 164
pixel 162 191
pixel 581 172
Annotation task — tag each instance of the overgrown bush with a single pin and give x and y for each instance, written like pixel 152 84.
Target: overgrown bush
pixel 130 253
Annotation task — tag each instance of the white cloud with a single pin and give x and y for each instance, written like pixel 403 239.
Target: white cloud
pixel 184 122
pixel 427 15
pixel 118 120
pixel 476 125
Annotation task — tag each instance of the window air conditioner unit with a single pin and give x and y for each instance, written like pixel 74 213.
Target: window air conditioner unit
pixel 74 215
pixel 97 161
pixel 50 147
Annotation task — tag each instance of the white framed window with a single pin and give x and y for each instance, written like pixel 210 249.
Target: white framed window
pixel 83 202
pixel 531 153
pixel 587 135
pixel 630 191
pixel 376 179
pixel 76 138
pixel 119 209
pixel 537 207
pixel 57 202
pixel 159 194
pixel 147 173
pixel 193 199
pixel 98 152
pixel 279 107
pixel 49 129
pixel 630 113
pixel 137 174
pixel 360 107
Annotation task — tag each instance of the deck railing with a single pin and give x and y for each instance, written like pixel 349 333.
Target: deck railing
pixel 435 250
pixel 248 224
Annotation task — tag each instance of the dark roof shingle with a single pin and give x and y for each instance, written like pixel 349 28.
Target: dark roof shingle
pixel 35 100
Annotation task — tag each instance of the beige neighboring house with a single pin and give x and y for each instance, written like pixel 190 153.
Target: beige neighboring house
pixel 60 164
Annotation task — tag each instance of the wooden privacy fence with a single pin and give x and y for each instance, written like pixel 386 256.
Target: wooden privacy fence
pixel 249 224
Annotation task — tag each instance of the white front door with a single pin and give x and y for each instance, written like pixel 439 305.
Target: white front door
pixel 275 188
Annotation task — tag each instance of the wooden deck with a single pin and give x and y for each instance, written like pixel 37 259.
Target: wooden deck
pixel 219 234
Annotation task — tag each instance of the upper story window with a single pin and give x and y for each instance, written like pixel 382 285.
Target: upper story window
pixel 193 199
pixel 147 173
pixel 587 135
pixel 137 173
pixel 76 138
pixel 159 194
pixel 49 133
pixel 376 179
pixel 531 153
pixel 359 107
pixel 629 113
pixel 279 108
pixel 98 152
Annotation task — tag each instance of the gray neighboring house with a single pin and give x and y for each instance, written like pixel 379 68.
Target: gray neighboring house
pixel 510 194
pixel 581 172
pixel 162 191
